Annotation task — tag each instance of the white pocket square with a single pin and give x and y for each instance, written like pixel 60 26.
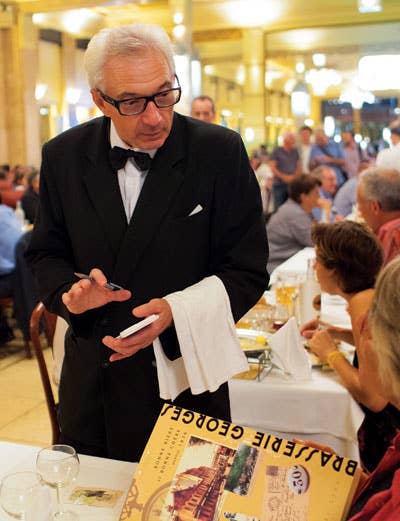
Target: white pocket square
pixel 198 209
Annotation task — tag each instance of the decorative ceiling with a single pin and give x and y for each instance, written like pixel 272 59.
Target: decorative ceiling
pixel 294 29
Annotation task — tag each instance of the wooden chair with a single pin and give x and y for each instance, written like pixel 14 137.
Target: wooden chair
pixel 49 323
pixel 8 302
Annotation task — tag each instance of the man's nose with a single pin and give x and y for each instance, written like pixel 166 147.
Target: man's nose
pixel 151 115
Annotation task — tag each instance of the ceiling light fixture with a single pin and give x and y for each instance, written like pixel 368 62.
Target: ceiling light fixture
pixel 369 6
pixel 300 100
pixel 40 90
pixel 356 97
pixel 322 79
pixel 178 18
pixel 179 31
pixel 379 72
pixel 72 95
pixel 319 59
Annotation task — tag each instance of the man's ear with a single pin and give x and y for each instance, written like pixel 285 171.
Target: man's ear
pixel 375 206
pixel 99 101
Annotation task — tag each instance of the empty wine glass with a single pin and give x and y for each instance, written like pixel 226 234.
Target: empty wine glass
pixel 17 493
pixel 58 466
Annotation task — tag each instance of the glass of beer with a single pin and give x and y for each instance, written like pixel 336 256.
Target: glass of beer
pixel 285 290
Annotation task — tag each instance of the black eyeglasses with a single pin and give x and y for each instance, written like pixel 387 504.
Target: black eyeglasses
pixel 135 106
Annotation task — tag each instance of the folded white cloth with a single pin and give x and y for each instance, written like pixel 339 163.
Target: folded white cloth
pixel 211 353
pixel 289 353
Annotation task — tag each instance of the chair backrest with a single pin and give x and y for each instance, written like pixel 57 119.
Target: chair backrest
pixel 49 324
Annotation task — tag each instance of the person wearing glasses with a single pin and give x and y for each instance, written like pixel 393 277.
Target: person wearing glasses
pixel 169 210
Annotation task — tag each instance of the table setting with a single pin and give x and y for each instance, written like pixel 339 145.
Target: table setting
pixel 298 396
pixel 55 483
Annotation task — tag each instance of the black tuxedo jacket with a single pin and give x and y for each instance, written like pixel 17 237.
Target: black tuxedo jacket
pixel 81 224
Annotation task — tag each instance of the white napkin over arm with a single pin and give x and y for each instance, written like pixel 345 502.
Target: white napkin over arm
pixel 211 353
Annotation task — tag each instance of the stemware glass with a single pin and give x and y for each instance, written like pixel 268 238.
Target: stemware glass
pixel 17 493
pixel 58 466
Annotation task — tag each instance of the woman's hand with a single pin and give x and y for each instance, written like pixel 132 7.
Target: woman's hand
pixel 322 344
pixel 310 327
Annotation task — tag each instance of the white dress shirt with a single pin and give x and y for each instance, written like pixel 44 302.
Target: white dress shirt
pixel 389 158
pixel 130 179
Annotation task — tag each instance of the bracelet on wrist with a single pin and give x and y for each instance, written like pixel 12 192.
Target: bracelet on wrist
pixel 333 356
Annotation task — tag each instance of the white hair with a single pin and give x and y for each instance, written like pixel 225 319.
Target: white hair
pixel 382 185
pixel 385 325
pixel 126 40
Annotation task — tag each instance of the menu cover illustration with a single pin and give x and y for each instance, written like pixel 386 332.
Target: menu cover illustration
pixel 196 467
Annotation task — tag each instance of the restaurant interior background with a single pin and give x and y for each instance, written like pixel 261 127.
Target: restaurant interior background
pixel 270 65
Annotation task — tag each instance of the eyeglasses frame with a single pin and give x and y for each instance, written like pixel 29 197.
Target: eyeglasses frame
pixel 116 103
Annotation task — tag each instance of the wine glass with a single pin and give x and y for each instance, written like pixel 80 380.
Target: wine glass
pixel 280 317
pixel 17 493
pixel 58 466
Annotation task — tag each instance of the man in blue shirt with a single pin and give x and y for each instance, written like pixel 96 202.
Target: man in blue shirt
pixel 325 212
pixel 329 153
pixel 10 232
pixel 285 165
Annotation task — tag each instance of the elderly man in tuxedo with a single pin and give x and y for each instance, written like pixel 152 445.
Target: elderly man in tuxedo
pixel 168 208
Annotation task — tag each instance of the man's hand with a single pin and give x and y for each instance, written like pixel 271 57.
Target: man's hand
pixel 85 295
pixel 126 347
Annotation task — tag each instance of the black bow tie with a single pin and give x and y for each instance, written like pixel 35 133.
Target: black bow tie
pixel 119 156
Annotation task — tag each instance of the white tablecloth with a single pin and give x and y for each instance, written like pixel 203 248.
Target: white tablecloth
pixel 321 410
pixel 93 472
pixel 297 264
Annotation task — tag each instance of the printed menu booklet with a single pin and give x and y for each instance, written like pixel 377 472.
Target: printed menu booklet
pixel 196 467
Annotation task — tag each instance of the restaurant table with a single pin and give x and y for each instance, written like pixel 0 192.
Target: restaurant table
pixel 321 410
pixel 93 472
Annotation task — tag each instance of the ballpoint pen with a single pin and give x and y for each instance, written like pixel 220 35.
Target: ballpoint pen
pixel 109 285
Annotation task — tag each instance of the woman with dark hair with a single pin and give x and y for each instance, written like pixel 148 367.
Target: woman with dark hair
pixel 348 260
pixel 289 229
pixel 377 496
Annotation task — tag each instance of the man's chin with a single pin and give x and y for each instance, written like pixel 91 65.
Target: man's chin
pixel 150 142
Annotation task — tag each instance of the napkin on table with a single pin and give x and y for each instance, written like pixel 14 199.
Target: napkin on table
pixel 289 353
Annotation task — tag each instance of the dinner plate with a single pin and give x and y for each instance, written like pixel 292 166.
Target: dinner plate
pixel 248 339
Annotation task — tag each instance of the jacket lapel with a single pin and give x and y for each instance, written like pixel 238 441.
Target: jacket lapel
pixel 103 189
pixel 162 183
